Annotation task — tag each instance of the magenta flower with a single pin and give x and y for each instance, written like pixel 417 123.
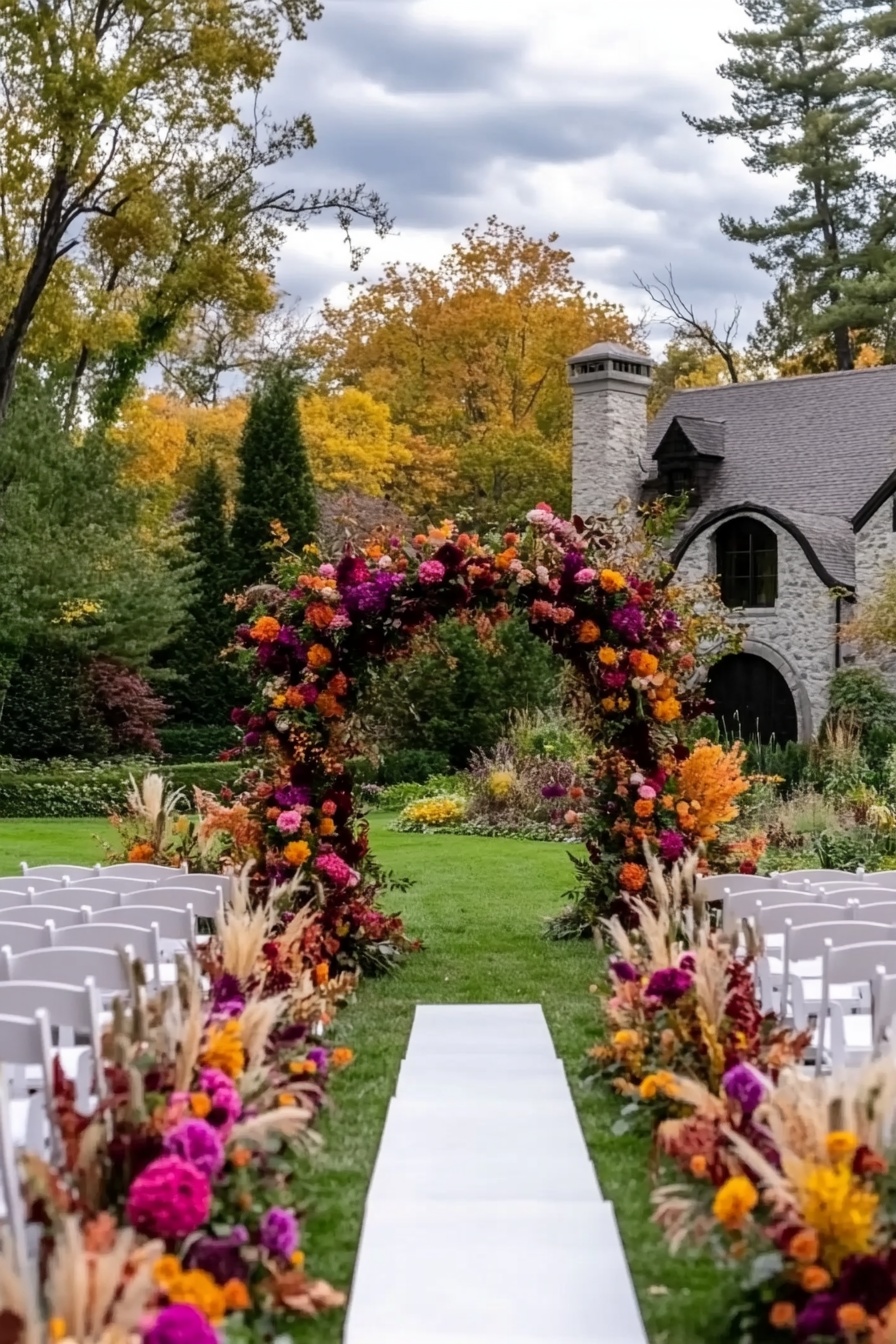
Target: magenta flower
pixel 668 985
pixel 586 575
pixel 431 571
pixel 624 971
pixel 672 845
pixel 197 1142
pixel 279 1232
pixel 743 1085
pixel 337 870
pixel 227 1105
pixel 169 1199
pixel 180 1324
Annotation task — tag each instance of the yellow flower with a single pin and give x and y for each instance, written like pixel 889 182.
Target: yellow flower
pixel 608 704
pixel 612 581
pixel 499 783
pixel 56 1327
pixel 657 1083
pixel 199 1290
pixel 841 1211
pixel 434 811
pixel 734 1201
pixel 841 1145
pixel 297 1259
pixel 626 1040
pixel 166 1272
pixel 278 701
pixel 667 711
pixel 607 656
pixel 224 1049
pixel 297 853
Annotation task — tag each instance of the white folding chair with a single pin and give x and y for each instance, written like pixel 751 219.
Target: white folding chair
pixel 74 897
pixel 714 886
pixel 803 953
pixel 740 904
pixel 815 875
pixel 848 1038
pixel 130 939
pixel 68 966
pixel 13 1212
pixel 885 878
pixel 26 1047
pixel 200 882
pixel 177 927
pixel 878 910
pixel 864 893
pixel 112 883
pixel 10 899
pixel 73 1011
pixel 26 937
pixel 883 1007
pixel 60 915
pixel 60 870
pixel 206 904
pixel 20 886
pixel 146 871
pixel 771 923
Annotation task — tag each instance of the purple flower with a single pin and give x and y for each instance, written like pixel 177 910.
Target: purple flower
pixel 320 1058
pixel 292 795
pixel 819 1317
pixel 288 637
pixel 220 1256
pixel 251 739
pixel 553 791
pixel 670 620
pixel 228 1000
pixel 668 985
pixel 672 845
pixel 279 1232
pixel 743 1085
pixel 431 571
pixel 628 621
pixel 180 1324
pixel 197 1142
pixel 624 971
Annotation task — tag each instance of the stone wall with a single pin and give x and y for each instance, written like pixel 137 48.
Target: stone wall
pixel 608 447
pixel 797 634
pixel 875 552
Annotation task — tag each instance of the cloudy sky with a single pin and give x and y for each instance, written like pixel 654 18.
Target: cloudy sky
pixel 560 115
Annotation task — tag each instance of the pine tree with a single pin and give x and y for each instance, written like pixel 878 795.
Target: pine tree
pixel 206 687
pixel 809 98
pixel 275 479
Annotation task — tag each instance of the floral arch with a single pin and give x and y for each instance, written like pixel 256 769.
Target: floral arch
pixel 598 592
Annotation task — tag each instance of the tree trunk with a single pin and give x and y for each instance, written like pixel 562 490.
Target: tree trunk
pixel 843 347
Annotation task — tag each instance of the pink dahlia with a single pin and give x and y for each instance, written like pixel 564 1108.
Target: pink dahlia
pixel 431 571
pixel 169 1199
pixel 337 870
pixel 288 822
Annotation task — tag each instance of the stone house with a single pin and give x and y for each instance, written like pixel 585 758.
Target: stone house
pixel 792 488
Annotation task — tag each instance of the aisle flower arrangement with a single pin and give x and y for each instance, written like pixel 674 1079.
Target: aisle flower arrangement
pixel 598 593
pixel 205 1094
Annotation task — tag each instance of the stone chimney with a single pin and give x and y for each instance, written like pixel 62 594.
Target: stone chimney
pixel 609 425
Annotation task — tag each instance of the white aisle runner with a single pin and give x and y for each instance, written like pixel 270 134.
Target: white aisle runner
pixel 484 1221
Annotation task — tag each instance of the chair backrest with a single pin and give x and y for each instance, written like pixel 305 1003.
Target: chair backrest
pixel 68 966
pixel 26 937
pixel 25 1043
pixel 173 923
pixel 112 883
pixel 74 897
pixel 885 878
pixel 142 943
pixel 151 871
pixel 74 1006
pixel 809 940
pixel 714 886
pixel 739 904
pixel 10 899
pixel 39 914
pixel 879 910
pixel 865 893
pixel 21 884
pixel 883 1005
pixel 60 870
pixel 206 904
pixel 774 918
pixel 859 961
pixel 815 875
pixel 212 881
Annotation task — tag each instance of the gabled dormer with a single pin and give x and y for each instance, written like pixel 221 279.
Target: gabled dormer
pixel 688 457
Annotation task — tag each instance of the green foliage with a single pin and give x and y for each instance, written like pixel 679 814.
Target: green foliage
pixel 396 796
pixel 860 698
pixel 275 479
pixel 95 791
pixel 206 687
pixel 49 710
pixel 411 765
pixel 788 760
pixel 183 743
pixel 454 694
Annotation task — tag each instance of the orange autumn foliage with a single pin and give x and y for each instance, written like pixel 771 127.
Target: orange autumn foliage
pixel 709 780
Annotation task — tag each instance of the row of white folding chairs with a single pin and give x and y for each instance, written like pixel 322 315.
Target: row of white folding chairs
pixel 149 870
pixel 737 904
pixel 205 903
pixel 114 880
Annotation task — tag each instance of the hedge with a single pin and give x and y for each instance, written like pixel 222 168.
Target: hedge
pixel 190 744
pixel 96 792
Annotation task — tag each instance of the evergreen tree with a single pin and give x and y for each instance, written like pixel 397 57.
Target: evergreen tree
pixel 275 483
pixel 809 98
pixel 206 687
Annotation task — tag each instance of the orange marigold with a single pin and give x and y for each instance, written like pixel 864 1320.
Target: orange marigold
pixel 319 615
pixel 328 707
pixel 667 711
pixel 815 1278
pixel 327 826
pixel 294 698
pixel 321 973
pixel 612 581
pixel 241 1157
pixel 503 558
pixel 589 633
pixel 338 683
pixel 632 876
pixel 341 1056
pixel 142 852
pixel 803 1246
pixel 319 656
pixel 607 656
pixel 608 704
pixel 644 664
pixel 782 1316
pixel 852 1316
pixel 644 807
pixel 297 853
pixel 236 1295
pixel 698 1165
pixel 265 629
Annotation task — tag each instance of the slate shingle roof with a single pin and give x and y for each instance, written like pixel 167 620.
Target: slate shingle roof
pixel 814 448
pixel 707 437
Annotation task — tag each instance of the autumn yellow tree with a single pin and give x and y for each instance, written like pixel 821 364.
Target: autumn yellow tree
pixel 352 441
pixel 471 356
pixel 164 441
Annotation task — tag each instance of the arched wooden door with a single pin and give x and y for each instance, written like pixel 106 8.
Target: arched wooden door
pixel 752 699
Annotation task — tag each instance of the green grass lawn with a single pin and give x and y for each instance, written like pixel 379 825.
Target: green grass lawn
pixel 477 904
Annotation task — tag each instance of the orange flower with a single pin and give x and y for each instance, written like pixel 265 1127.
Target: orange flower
pixel 328 707
pixel 241 1157
pixel 589 633
pixel 302 1066
pixel 293 698
pixel 142 852
pixel 297 853
pixel 576 792
pixel 712 778
pixel 607 656
pixel 374 552
pixel 803 1247
pixel 338 684
pixel 319 615
pixel 319 656
pixel 815 1279
pixel 272 813
pixel 852 1316
pixel 327 826
pixel 612 581
pixel 321 973
pixel 328 808
pixel 236 1295
pixel 341 1056
pixel 667 711
pixel 608 704
pixel 286 1099
pixel 782 1316
pixel 632 876
pixel 644 807
pixel 503 559
pixel 698 1165
pixel 265 629
pixel 200 1104
pixel 645 664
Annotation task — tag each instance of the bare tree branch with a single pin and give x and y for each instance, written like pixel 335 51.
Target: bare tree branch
pixel 715 337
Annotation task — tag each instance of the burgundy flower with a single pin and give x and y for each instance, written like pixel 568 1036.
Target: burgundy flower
pixel 553 791
pixel 251 739
pixel 669 984
pixel 221 1257
pixel 239 716
pixel 867 1280
pixel 672 845
pixel 624 971
pixel 628 621
pixel 350 571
